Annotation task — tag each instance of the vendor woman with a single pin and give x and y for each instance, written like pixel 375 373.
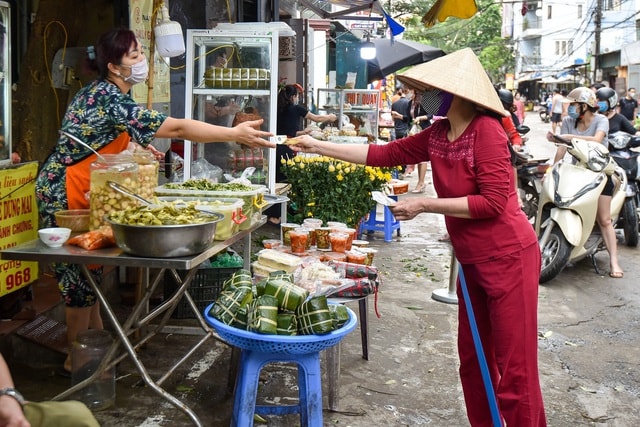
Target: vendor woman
pixel 106 117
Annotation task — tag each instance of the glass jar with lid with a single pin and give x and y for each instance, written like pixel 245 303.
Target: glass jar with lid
pixel 120 168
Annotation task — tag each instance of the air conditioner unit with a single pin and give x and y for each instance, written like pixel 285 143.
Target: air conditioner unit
pixel 531 7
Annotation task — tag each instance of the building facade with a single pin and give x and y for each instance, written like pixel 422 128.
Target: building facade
pixel 567 43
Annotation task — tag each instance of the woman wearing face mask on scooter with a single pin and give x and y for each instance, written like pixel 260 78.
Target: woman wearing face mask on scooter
pixel 584 122
pixel 105 116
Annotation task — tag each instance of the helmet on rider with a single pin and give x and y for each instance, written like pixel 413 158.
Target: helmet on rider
pixel 607 96
pixel 583 95
pixel 506 97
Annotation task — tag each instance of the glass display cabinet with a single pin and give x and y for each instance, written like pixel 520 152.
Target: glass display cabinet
pixel 358 107
pixel 232 76
pixel 5 84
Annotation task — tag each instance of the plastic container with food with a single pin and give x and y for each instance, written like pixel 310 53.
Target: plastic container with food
pixel 230 208
pixel 252 195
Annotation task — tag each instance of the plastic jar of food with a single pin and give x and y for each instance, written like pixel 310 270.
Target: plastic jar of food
pixel 299 238
pixel 338 241
pixel 120 168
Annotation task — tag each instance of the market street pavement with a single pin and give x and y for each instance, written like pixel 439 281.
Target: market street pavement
pixel 589 330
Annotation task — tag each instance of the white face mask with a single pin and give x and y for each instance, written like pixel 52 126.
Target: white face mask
pixel 139 72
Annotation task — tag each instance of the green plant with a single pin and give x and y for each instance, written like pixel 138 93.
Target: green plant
pixel 330 189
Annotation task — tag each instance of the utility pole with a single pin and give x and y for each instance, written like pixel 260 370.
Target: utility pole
pixel 598 31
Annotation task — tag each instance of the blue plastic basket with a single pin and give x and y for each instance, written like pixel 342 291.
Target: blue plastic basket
pixel 288 344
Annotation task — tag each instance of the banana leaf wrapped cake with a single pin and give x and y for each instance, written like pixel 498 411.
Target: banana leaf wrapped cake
pixel 275 306
pixel 288 294
pixel 262 315
pixel 230 300
pixel 314 316
pixel 287 324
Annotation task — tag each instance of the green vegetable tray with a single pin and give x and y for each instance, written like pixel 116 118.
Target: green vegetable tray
pixel 254 201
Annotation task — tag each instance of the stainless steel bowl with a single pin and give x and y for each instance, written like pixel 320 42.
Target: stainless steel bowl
pixel 165 241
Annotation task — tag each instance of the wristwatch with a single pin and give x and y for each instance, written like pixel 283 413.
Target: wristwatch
pixel 13 393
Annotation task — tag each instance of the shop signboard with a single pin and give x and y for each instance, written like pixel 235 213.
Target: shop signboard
pixel 18 223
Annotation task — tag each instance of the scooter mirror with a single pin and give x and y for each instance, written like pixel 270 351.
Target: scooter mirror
pixel 523 129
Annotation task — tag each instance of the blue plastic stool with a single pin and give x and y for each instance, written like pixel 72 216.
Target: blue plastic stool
pixel 309 385
pixel 258 350
pixel 387 225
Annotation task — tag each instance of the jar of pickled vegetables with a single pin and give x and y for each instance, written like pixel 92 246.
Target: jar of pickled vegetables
pixel 120 168
pixel 148 168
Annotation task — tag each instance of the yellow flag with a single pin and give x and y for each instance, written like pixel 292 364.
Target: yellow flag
pixel 442 9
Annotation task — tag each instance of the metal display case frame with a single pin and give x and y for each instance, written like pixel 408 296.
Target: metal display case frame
pixel 260 38
pixel 352 103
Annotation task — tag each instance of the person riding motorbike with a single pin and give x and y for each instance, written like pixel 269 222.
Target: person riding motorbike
pixel 583 122
pixel 624 157
pixel 607 102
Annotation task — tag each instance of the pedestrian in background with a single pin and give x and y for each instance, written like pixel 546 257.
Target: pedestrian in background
pixel 401 113
pixel 556 109
pixel 491 236
pixel 420 121
pixel 519 104
pixel 628 106
pixel 290 116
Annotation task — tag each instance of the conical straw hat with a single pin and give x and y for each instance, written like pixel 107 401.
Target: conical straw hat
pixel 459 73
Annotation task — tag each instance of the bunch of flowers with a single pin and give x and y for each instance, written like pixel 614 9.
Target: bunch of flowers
pixel 330 189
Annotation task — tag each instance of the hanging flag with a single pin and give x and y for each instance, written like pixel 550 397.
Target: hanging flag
pixel 442 9
pixel 394 26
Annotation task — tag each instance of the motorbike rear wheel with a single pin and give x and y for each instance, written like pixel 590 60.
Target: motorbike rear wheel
pixel 529 201
pixel 630 222
pixel 555 254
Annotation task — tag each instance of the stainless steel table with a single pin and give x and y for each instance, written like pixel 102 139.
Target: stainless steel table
pixel 140 317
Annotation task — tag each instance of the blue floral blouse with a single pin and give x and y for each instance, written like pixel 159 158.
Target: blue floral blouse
pixel 97 115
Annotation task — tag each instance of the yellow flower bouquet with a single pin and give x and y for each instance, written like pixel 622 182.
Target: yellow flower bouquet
pixel 330 189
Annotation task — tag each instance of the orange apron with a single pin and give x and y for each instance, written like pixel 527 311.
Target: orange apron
pixel 78 177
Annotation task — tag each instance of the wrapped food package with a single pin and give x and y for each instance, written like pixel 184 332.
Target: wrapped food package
pixel 279 260
pixel 229 301
pixel 262 315
pixel 241 318
pixel 262 271
pixel 289 295
pixel 241 279
pixel 314 316
pixel 339 314
pixel 287 324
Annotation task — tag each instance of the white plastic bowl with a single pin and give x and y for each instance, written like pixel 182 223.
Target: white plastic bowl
pixel 54 237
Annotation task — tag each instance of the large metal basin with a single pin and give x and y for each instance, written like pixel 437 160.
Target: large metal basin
pixel 165 241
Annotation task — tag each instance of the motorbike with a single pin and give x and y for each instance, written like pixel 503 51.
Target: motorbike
pixel 529 172
pixel 544 111
pixel 566 219
pixel 620 147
